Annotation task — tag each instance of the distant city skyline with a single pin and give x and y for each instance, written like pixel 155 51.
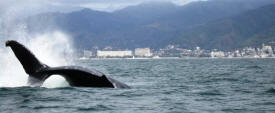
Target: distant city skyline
pixel 266 51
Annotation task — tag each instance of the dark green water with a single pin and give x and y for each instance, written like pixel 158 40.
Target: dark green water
pixel 171 85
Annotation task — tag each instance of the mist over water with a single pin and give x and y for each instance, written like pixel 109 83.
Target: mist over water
pixel 51 48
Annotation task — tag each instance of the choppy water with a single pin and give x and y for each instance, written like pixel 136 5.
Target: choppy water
pixel 171 85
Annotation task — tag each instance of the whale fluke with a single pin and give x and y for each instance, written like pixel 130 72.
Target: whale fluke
pixel 74 75
pixel 29 62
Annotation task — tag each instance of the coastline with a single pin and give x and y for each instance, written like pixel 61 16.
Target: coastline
pixel 165 58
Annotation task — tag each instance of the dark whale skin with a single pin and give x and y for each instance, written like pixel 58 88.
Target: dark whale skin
pixel 75 75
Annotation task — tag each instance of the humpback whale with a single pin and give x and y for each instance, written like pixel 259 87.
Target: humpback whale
pixel 75 75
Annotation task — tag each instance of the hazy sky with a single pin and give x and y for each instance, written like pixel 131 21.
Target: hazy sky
pixel 31 6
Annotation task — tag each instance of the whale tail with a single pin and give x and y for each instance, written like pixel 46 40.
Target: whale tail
pixel 75 76
pixel 29 62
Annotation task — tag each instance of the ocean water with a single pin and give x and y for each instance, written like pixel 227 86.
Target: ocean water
pixel 158 86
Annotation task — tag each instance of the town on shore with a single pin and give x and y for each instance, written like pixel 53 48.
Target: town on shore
pixel 172 51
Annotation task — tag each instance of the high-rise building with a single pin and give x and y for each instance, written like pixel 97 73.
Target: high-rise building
pixel 143 52
pixel 126 53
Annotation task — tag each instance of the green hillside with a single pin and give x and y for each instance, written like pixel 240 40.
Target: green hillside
pixel 251 28
pixel 221 24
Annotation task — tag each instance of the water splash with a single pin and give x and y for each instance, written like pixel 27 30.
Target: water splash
pixel 52 48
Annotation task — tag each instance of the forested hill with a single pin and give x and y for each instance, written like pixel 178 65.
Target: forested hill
pixel 251 28
pixel 157 24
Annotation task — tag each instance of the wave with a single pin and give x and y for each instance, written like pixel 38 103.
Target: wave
pixel 271 90
pixel 254 67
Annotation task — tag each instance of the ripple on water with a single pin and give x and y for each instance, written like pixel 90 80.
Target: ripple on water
pixel 45 107
pixel 271 90
pixel 99 107
pixel 210 93
pixel 193 85
pixel 254 67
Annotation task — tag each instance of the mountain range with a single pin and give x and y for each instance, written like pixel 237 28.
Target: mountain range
pixel 220 24
pixel 251 28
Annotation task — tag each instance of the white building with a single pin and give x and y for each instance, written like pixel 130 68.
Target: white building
pixel 217 54
pixel 249 52
pixel 198 48
pixel 237 53
pixel 266 51
pixel 126 53
pixel 143 52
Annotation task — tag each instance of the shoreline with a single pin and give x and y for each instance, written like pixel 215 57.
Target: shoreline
pixel 165 58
